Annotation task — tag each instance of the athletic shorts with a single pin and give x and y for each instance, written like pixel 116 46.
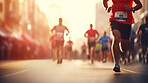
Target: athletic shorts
pixel 104 48
pixel 59 43
pixel 84 51
pixel 124 29
pixel 69 48
pixel 93 44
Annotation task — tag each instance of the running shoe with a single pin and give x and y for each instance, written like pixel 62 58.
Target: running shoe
pixel 60 61
pixel 88 57
pixel 117 68
pixel 104 60
pixel 92 61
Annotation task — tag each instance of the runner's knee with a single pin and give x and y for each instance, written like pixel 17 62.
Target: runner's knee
pixel 116 35
pixel 124 45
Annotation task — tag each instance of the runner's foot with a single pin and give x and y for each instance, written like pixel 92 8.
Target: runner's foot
pixel 60 61
pixel 104 60
pixel 92 61
pixel 117 68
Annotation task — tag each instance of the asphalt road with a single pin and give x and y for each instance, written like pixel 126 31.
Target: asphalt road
pixel 75 71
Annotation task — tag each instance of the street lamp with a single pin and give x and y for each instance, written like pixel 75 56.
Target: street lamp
pixel 21 1
pixel 29 26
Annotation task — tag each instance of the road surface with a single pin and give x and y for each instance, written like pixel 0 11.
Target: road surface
pixel 75 71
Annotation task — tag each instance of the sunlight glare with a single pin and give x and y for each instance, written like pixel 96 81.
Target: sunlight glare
pixel 76 14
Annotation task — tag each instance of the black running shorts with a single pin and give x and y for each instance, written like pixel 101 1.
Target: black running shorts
pixel 124 29
pixel 92 44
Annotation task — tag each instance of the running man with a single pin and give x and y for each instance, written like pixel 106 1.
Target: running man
pixel 92 35
pixel 69 45
pixel 144 38
pixel 104 45
pixel 59 39
pixel 121 20
pixel 97 51
pixel 83 48
pixel 130 50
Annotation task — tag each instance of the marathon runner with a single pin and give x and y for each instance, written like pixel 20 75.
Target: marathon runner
pixel 69 45
pixel 59 39
pixel 121 20
pixel 83 48
pixel 92 36
pixel 144 39
pixel 104 45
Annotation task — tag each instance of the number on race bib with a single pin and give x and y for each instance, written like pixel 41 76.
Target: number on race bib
pixel 59 34
pixel 121 16
pixel 92 39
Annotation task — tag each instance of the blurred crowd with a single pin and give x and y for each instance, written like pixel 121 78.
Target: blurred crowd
pixel 133 54
pixel 14 46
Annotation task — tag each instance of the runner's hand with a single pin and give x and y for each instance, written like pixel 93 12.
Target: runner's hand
pixel 127 8
pixel 67 34
pixel 105 4
pixel 109 9
pixel 96 38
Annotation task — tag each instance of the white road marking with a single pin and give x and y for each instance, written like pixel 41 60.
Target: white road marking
pixel 129 71
pixel 15 73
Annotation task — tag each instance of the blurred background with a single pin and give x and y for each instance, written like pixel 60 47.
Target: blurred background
pixel 25 25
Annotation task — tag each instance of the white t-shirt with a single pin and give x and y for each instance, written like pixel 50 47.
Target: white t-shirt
pixel 59 29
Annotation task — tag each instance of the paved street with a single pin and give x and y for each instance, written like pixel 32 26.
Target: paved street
pixel 75 71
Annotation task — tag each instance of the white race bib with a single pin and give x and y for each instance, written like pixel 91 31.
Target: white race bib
pixel 92 39
pixel 121 16
pixel 59 34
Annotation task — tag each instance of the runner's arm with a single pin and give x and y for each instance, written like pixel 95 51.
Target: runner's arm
pixel 105 4
pixel 85 35
pixel 139 30
pixel 72 43
pixel 67 30
pixel 53 29
pixel 97 35
pixel 109 39
pixel 137 7
pixel 100 40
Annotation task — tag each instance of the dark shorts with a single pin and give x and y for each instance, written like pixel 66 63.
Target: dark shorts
pixel 59 43
pixel 84 51
pixel 124 29
pixel 104 49
pixel 91 45
pixel 69 48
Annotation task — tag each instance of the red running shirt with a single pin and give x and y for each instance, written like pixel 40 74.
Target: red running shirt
pixel 119 14
pixel 92 35
pixel 69 42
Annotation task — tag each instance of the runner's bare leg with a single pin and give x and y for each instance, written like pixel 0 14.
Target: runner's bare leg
pixel 57 52
pixel 115 46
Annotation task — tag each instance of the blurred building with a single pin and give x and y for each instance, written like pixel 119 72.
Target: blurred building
pixel 140 14
pixel 144 10
pixel 102 19
pixel 33 21
pixel 9 14
pixel 25 27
